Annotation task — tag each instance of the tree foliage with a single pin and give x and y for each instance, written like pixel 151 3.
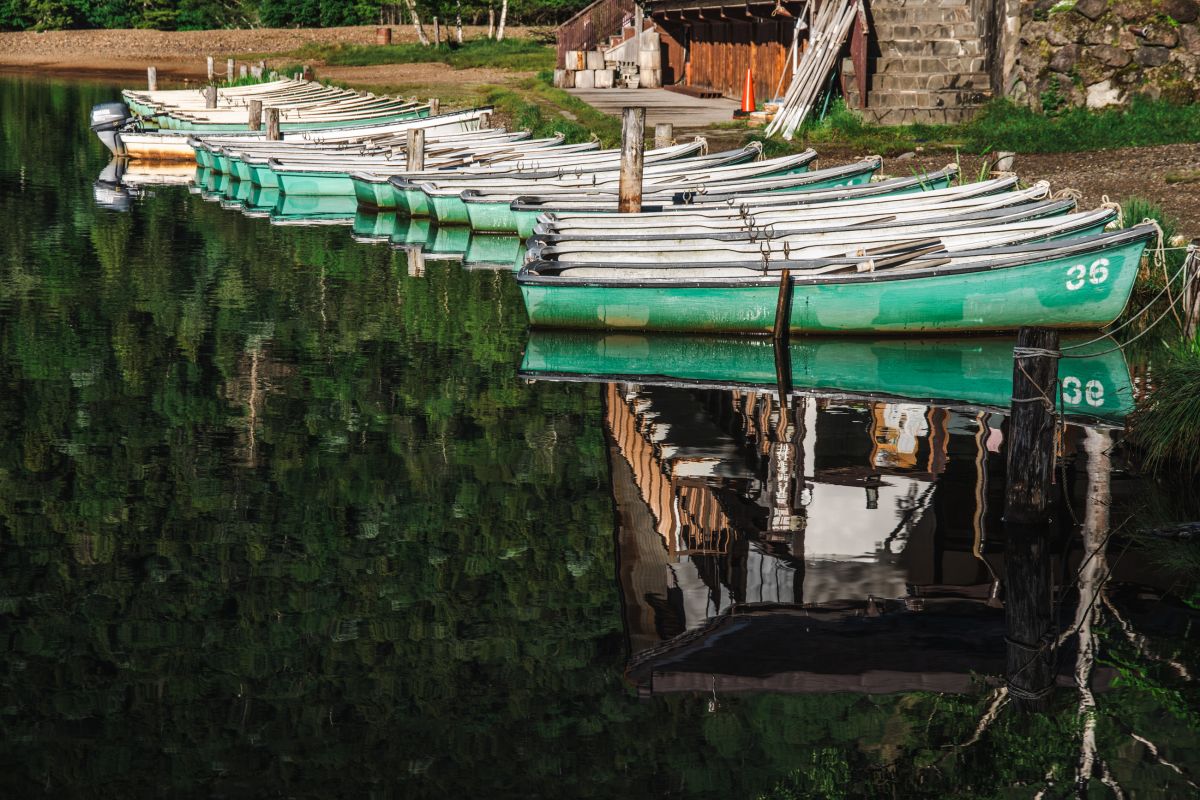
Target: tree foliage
pixel 205 14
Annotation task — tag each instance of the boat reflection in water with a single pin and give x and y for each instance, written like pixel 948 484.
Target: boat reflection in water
pixel 848 538
pixel 122 180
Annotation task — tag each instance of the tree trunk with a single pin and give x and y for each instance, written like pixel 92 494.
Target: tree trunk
pixel 458 22
pixel 491 23
pixel 437 32
pixel 412 9
pixel 503 19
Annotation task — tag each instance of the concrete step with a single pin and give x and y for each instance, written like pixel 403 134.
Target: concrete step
pixel 929 47
pixel 966 31
pixel 900 81
pixel 924 116
pixel 923 65
pixel 941 98
pixel 917 15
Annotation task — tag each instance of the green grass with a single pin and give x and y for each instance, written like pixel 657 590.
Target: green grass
pixel 535 105
pixel 515 54
pixel 1002 125
pixel 1166 428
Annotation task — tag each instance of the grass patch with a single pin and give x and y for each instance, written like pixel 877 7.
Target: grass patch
pixel 1002 125
pixel 515 54
pixel 535 105
pixel 1165 427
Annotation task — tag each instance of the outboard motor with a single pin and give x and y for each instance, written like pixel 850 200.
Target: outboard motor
pixel 107 121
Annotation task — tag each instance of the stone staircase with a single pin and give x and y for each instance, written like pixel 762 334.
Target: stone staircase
pixel 931 67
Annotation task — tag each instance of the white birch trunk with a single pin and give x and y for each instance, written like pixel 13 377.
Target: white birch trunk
pixel 503 20
pixel 412 9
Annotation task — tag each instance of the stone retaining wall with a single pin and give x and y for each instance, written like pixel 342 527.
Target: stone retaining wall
pixel 1105 52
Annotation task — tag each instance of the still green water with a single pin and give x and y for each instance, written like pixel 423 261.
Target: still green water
pixel 279 518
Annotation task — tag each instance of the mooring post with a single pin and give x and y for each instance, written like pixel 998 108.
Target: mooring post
pixel 273 125
pixel 485 120
pixel 414 154
pixel 211 73
pixel 210 96
pixel 255 120
pixel 152 78
pixel 243 71
pixel 1030 465
pixel 434 106
pixel 1191 291
pixel 633 146
pixel 229 70
pixel 664 135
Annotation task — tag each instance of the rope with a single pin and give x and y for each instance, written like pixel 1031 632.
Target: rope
pixel 1067 194
pixel 1159 259
pixel 1106 203
pixel 1187 281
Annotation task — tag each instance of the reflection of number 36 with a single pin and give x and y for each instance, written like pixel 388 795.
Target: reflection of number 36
pixel 1074 390
pixel 1079 274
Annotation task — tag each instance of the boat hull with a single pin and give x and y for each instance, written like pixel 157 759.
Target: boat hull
pixel 1046 293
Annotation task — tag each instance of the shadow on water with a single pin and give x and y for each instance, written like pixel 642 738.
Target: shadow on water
pixel 284 513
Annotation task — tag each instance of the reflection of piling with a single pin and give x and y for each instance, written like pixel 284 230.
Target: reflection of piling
pixel 1026 518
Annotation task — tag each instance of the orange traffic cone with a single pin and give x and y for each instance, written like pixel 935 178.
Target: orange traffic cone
pixel 748 104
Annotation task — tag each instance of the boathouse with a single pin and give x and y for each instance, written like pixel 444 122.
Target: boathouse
pixel 905 60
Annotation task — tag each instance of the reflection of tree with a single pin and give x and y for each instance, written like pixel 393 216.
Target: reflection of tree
pixel 407 592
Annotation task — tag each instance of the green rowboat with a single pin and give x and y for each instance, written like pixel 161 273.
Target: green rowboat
pixel 1079 283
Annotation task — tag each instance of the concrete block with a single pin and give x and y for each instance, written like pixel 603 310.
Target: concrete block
pixel 564 78
pixel 585 79
pixel 576 59
pixel 604 78
pixel 595 59
pixel 650 78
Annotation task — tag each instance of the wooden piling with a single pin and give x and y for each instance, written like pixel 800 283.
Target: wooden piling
pixel 633 146
pixel 1191 291
pixel 1031 453
pixel 783 306
pixel 273 125
pixel 415 151
pixel 152 79
pixel 434 106
pixel 243 71
pixel 229 70
pixel 255 120
pixel 211 72
pixel 210 96
pixel 485 120
pixel 664 135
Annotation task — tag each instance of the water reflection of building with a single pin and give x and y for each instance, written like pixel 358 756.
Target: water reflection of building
pixel 752 548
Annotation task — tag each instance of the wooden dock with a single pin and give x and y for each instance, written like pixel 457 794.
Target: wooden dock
pixel 685 112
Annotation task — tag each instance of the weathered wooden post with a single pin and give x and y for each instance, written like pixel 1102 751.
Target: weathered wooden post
pixel 434 106
pixel 437 32
pixel 229 70
pixel 210 96
pixel 243 71
pixel 255 120
pixel 152 78
pixel 273 125
pixel 664 135
pixel 485 120
pixel 1191 291
pixel 211 73
pixel 1031 453
pixel 633 146
pixel 414 154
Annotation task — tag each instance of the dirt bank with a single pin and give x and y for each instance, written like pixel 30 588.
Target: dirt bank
pixel 179 55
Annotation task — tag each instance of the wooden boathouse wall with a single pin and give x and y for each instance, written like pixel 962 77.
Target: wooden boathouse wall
pixel 714 55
